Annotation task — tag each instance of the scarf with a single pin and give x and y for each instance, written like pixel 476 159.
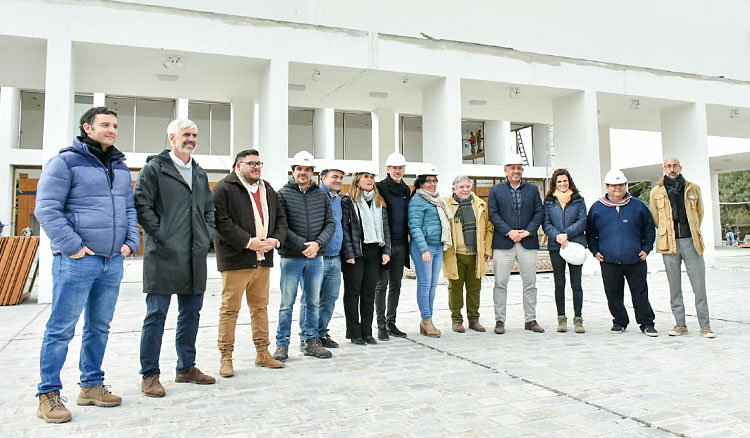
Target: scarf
pixel 563 197
pixel 444 213
pixel 103 155
pixel 371 217
pixel 466 217
pixel 395 189
pixel 610 203
pixel 676 192
pixel 260 231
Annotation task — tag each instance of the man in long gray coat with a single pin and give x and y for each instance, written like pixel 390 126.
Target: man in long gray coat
pixel 176 210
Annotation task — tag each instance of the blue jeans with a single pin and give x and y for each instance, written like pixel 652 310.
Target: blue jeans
pixel 295 272
pixel 329 293
pixel 188 317
pixel 427 277
pixel 91 283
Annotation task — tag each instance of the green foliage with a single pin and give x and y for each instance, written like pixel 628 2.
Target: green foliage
pixel 735 187
pixel 641 190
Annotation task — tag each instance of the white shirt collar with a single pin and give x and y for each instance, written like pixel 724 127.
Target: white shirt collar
pixel 178 162
pixel 251 187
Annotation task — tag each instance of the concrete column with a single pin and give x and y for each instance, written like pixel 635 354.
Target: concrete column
pixel 605 154
pixel 274 121
pixel 498 141
pixel 242 122
pixel 441 128
pixel 10 101
pixel 374 138
pixel 684 136
pixel 323 131
pixel 99 99
pixel 577 141
pixel 715 210
pixel 183 106
pixel 256 126
pixel 387 129
pixel 58 131
pixel 539 152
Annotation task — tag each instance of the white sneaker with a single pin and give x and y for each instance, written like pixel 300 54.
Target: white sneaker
pixel 678 330
pixel 707 333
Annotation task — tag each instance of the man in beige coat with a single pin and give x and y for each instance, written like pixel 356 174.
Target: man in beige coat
pixel 677 209
pixel 464 262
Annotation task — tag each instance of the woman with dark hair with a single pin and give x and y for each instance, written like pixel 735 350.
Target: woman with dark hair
pixel 366 246
pixel 565 221
pixel 430 229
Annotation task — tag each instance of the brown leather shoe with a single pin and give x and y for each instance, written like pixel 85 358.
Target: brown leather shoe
pixel 533 326
pixel 194 375
pixel 98 396
pixel 225 366
pixel 151 387
pixel 458 327
pixel 51 408
pixel 264 359
pixel 499 327
pixel 477 327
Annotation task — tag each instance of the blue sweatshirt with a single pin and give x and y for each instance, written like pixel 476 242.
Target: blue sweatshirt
pixel 334 246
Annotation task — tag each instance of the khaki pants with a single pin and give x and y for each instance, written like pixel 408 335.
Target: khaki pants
pixel 254 283
pixel 467 271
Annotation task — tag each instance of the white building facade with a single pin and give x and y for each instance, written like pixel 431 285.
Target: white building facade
pixel 354 81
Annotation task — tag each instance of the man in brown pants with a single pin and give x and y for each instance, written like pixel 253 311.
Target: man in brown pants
pixel 250 223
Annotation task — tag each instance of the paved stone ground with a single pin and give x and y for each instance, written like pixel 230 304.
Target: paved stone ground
pixel 520 384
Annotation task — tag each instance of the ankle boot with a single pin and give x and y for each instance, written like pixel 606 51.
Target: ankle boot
pixel 225 366
pixel 427 328
pixel 562 323
pixel 578 323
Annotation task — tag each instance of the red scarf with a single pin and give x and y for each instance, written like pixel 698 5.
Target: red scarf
pixel 610 203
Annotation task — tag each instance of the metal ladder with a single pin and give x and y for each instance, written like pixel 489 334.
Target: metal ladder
pixel 521 149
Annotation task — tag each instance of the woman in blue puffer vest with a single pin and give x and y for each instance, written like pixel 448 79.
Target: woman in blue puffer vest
pixel 565 221
pixel 429 226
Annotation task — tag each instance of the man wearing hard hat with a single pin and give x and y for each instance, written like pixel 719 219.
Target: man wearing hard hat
pixel 396 194
pixel 517 212
pixel 620 234
pixel 311 226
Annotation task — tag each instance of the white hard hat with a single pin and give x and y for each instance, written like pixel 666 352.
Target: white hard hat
pixel 395 159
pixel 303 158
pixel 333 165
pixel 615 176
pixel 428 169
pixel 513 159
pixel 574 253
pixel 367 168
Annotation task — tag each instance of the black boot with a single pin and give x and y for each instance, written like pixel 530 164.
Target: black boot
pixel 394 331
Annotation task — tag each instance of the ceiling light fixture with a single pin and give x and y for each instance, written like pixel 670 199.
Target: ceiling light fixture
pixel 315 75
pixel 514 93
pixel 173 61
pixel 167 78
pixel 378 94
pixel 477 102
pixel 635 104
pixel 734 113
pixel 405 82
pixel 297 87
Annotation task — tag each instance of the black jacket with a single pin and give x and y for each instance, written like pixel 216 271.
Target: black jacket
pixel 405 192
pixel 235 224
pixel 309 218
pixel 351 223
pixel 179 226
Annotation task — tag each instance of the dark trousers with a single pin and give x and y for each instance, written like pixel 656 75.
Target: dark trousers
pixel 390 279
pixel 558 271
pixel 614 276
pixel 189 308
pixel 359 291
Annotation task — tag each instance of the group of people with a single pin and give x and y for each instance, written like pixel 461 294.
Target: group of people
pixel 89 209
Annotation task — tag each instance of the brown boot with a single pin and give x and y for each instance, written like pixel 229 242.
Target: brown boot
pixel 225 367
pixel 98 396
pixel 476 326
pixel 427 328
pixel 533 326
pixel 499 327
pixel 52 409
pixel 151 387
pixel 458 327
pixel 264 359
pixel 194 375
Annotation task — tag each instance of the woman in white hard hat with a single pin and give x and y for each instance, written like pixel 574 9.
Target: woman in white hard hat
pixel 564 222
pixel 430 229
pixel 366 246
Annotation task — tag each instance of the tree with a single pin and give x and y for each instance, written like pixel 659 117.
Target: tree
pixel 735 187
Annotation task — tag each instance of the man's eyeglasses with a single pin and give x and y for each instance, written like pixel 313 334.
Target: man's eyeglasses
pixel 252 164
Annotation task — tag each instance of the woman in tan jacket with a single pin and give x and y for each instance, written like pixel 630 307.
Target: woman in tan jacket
pixel 464 262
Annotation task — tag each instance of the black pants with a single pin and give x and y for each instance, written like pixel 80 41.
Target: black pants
pixel 390 279
pixel 614 276
pixel 359 291
pixel 558 270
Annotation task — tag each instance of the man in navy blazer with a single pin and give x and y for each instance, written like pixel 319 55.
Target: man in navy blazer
pixel 517 212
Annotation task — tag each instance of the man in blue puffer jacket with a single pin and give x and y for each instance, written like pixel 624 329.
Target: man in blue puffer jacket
pixel 85 205
pixel 620 234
